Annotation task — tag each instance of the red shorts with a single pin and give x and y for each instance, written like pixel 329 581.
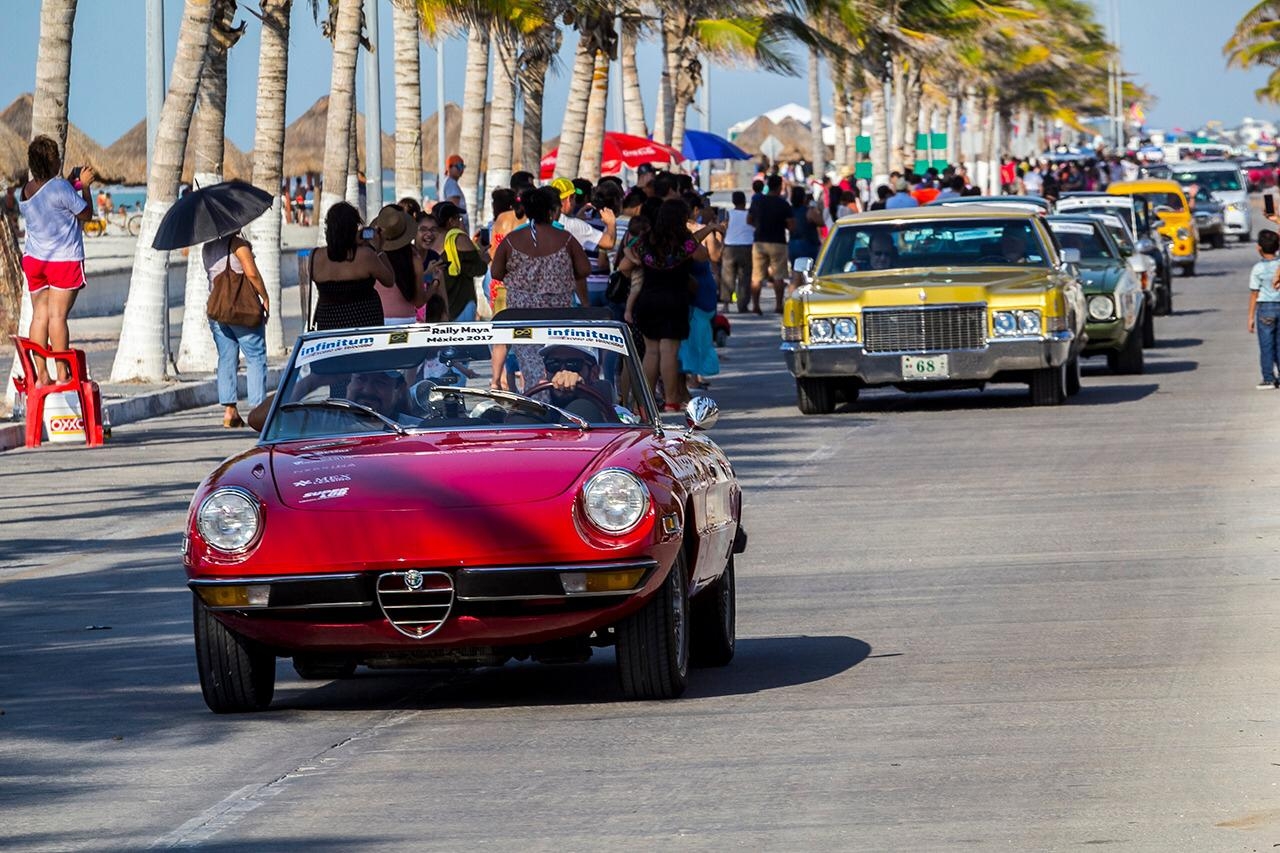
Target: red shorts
pixel 60 275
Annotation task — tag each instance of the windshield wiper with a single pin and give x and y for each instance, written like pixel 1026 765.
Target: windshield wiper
pixel 495 394
pixel 348 405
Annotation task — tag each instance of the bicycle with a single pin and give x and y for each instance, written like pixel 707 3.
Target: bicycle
pixel 129 224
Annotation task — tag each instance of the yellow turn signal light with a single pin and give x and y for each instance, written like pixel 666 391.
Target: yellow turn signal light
pixel 255 595
pixel 584 582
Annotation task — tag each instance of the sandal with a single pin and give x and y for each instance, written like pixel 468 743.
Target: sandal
pixel 234 422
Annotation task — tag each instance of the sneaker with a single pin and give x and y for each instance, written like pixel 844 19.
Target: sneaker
pixel 1265 386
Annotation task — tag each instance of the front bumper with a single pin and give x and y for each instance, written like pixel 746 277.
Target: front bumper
pixel 1237 221
pixel 999 356
pixel 1105 337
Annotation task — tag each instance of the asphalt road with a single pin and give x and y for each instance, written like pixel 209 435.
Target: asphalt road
pixel 965 624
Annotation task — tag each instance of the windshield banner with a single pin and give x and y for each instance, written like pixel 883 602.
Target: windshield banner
pixel 462 334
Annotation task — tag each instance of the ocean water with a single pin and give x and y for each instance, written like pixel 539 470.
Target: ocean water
pixel 134 197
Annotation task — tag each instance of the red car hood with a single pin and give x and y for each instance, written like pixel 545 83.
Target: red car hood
pixel 448 470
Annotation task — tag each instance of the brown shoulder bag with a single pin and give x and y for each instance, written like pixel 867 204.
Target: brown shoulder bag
pixel 232 299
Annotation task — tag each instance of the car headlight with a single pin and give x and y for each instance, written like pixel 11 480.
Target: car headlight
pixel 615 500
pixel 1235 206
pixel 229 520
pixel 1004 323
pixel 846 329
pixel 1183 234
pixel 820 330
pixel 1028 322
pixel 1101 308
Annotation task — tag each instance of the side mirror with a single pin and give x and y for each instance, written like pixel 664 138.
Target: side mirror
pixel 1126 251
pixel 804 266
pixel 1070 256
pixel 1145 245
pixel 701 413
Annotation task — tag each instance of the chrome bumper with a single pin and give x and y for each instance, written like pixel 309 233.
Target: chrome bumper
pixel 998 356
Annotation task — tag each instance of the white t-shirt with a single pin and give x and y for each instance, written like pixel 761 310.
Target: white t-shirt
pixel 215 258
pixel 585 234
pixel 452 190
pixel 53 232
pixel 738 232
pixel 1033 181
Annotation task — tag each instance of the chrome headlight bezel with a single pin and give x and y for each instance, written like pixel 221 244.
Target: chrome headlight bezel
pixel 247 529
pixel 1106 308
pixel 593 496
pixel 821 330
pixel 845 329
pixel 1029 322
pixel 1019 323
pixel 1004 323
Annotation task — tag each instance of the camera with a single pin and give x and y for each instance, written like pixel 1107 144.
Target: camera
pixel 367 234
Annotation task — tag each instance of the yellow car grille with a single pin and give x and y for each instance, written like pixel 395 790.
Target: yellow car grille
pixel 925 329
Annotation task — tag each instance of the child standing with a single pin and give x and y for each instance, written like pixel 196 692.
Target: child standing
pixel 1264 307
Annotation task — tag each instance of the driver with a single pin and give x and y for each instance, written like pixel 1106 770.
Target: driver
pixel 568 368
pixel 1013 244
pixel 384 391
pixel 882 251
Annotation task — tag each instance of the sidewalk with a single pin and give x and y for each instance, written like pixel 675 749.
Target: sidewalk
pixel 129 402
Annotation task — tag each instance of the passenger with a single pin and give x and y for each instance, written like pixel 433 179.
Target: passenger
pixel 882 251
pixel 1013 244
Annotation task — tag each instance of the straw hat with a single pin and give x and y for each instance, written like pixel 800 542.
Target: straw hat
pixel 397 228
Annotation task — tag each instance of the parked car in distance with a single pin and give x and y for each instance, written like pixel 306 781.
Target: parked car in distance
pixel 948 296
pixel 1228 185
pixel 1030 203
pixel 1145 226
pixel 1207 212
pixel 1142 267
pixel 1170 204
pixel 1114 298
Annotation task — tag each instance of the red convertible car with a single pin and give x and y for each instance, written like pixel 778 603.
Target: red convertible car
pixel 401 511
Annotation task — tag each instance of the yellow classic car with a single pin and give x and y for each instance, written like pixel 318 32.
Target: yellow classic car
pixel 1170 203
pixel 931 298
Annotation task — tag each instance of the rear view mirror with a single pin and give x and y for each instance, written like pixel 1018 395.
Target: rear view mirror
pixel 1070 256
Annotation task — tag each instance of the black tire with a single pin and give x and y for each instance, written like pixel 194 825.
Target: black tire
pixel 1049 386
pixel 135 225
pixel 1218 241
pixel 1244 238
pixel 714 624
pixel 236 674
pixel 850 390
pixel 1148 328
pixel 1189 269
pixel 816 396
pixel 721 338
pixel 320 668
pixel 1166 301
pixel 653 642
pixel 1129 360
pixel 1073 377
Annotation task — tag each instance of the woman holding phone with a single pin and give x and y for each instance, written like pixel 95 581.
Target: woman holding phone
pixel 345 271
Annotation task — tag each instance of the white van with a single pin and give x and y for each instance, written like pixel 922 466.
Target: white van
pixel 1224 179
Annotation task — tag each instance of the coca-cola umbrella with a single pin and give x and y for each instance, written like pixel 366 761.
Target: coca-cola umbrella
pixel 209 213
pixel 620 149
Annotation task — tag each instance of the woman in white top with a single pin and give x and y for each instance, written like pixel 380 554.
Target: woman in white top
pixel 53 257
pixel 230 339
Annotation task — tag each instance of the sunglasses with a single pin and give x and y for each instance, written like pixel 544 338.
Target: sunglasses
pixel 555 365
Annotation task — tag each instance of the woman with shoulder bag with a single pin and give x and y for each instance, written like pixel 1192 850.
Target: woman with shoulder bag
pixel 237 295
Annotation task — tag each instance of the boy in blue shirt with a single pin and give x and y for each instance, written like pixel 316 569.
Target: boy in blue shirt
pixel 1264 307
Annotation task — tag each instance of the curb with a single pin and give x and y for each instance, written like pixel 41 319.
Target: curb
pixel 181 397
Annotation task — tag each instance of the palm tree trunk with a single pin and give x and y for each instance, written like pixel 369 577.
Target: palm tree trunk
pixel 338 123
pixel 665 111
pixel 990 143
pixel 632 96
pixel 818 146
pixel 532 93
pixel 953 127
pixel 575 112
pixel 471 143
pixel 597 113
pixel 408 78
pixel 141 353
pixel 857 100
pixel 268 157
pixel 840 114
pixel 353 159
pixel 880 130
pixel 502 118
pixel 899 100
pixel 196 350
pixel 911 92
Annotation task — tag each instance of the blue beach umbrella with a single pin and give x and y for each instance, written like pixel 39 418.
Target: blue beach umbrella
pixel 699 145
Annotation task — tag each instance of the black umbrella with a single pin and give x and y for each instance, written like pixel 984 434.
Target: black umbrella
pixel 209 213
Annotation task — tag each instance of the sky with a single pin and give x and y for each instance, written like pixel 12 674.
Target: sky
pixel 1173 47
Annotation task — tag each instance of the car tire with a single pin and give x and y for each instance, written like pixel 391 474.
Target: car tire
pixel 320 668
pixel 1148 328
pixel 816 396
pixel 1129 360
pixel 850 390
pixel 1073 377
pixel 236 674
pixel 1244 238
pixel 1219 241
pixel 1189 270
pixel 653 643
pixel 1049 386
pixel 714 628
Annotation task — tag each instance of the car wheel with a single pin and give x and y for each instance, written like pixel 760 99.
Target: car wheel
pixel 1189 270
pixel 321 668
pixel 1073 377
pixel 1148 328
pixel 714 621
pixel 816 396
pixel 1244 238
pixel 1049 386
pixel 850 390
pixel 721 338
pixel 236 674
pixel 1219 241
pixel 1129 359
pixel 653 642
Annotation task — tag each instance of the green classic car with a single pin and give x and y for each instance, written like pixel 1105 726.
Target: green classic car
pixel 1113 296
pixel 932 298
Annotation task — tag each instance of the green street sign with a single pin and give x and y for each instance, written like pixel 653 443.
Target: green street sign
pixel 863 170
pixel 862 145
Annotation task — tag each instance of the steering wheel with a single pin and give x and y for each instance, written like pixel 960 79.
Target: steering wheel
pixel 606 405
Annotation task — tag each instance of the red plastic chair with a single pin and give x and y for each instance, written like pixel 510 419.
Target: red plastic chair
pixel 79 382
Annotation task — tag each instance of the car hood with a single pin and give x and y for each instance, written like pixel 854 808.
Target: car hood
pixel 448 470
pixel 953 284
pixel 1100 278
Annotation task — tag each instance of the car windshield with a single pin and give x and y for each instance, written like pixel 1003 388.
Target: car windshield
pixel 563 375
pixel 936 243
pixel 1173 201
pixel 1084 237
pixel 1213 180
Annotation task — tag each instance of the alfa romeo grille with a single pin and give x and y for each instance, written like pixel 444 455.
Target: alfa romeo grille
pixel 415 603
pixel 925 329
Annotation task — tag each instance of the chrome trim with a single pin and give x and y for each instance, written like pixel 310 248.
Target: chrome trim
pixel 193 582
pixel 421 599
pixel 644 490
pixel 567 567
pixel 257 534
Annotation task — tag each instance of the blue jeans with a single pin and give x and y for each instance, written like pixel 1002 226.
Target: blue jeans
pixel 231 341
pixel 1267 320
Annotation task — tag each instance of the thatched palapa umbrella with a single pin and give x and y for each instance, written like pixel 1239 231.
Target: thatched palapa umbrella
pixel 304 141
pixel 81 150
pixel 127 158
pixel 13 156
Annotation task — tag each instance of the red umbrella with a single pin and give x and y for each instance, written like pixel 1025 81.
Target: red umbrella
pixel 621 149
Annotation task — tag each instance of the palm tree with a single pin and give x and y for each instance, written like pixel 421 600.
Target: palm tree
pixel 475 87
pixel 406 23
pixel 344 29
pixel 819 153
pixel 141 353
pixel 597 44
pixel 597 113
pixel 1255 42
pixel 502 117
pixel 632 97
pixel 538 50
pixel 196 350
pixel 268 155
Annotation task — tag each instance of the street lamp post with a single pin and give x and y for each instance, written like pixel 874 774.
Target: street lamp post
pixel 372 116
